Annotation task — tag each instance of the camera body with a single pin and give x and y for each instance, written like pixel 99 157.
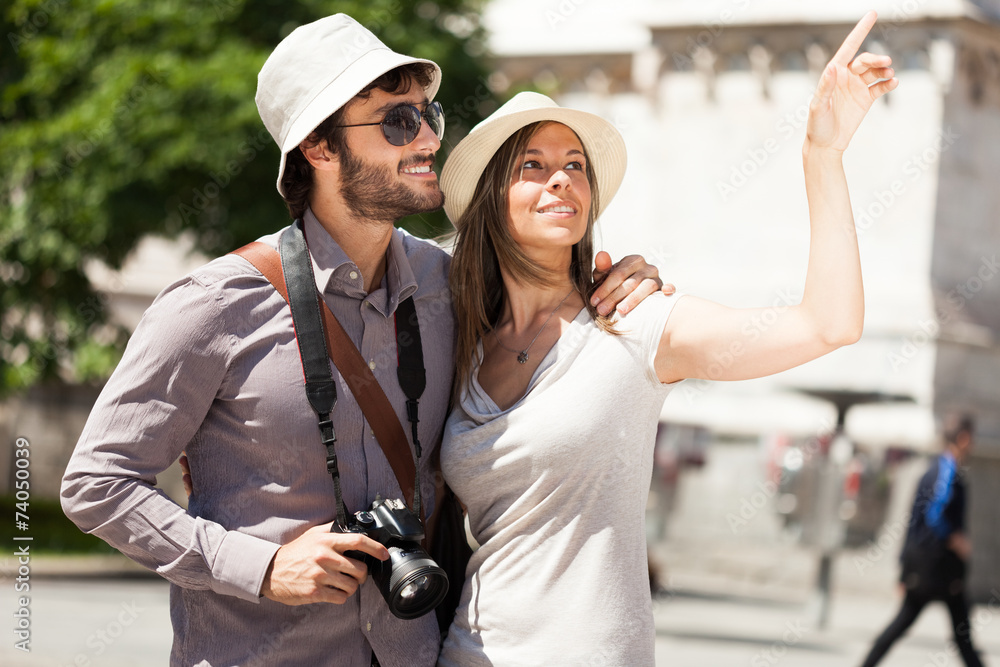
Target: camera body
pixel 388 521
pixel 410 581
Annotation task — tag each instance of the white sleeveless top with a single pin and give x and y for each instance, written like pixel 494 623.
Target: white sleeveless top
pixel 556 488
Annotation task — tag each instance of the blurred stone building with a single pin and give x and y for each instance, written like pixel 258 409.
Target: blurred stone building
pixel 712 98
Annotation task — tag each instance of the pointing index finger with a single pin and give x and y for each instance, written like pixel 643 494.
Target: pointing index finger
pixel 854 40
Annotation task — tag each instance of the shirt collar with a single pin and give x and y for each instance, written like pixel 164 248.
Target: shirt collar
pixel 328 259
pixel 336 273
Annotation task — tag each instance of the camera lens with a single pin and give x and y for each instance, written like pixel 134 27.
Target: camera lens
pixel 414 588
pixel 416 584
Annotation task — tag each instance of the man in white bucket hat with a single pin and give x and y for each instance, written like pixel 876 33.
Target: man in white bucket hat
pixel 213 369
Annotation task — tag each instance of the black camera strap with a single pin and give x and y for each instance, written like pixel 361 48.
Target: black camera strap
pixel 308 312
pixel 412 376
pixel 304 302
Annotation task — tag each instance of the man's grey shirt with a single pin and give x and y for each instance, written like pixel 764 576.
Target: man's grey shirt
pixel 213 369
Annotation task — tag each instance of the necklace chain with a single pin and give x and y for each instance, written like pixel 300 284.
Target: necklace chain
pixel 522 355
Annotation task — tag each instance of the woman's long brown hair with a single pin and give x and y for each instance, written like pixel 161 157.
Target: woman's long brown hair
pixel 483 244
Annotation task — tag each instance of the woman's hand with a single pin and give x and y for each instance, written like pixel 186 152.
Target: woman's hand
pixel 186 475
pixel 846 91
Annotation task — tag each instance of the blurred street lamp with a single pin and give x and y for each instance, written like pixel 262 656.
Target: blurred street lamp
pixel 828 521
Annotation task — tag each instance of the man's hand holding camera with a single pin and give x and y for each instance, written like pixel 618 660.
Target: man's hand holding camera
pixel 313 568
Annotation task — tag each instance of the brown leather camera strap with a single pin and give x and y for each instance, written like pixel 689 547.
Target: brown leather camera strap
pixel 360 380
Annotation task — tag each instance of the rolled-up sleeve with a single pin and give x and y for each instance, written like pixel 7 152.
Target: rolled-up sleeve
pixel 148 412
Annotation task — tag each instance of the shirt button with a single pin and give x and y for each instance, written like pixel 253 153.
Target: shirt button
pixel 371 365
pixel 354 275
pixel 369 626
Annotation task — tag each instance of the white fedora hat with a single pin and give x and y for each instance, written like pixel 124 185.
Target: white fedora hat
pixel 464 166
pixel 318 69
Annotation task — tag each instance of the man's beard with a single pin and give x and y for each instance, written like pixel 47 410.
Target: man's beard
pixel 371 191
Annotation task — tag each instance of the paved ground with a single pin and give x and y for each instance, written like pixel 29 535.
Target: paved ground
pixel 122 621
pixel 699 628
pixel 755 604
pixel 92 622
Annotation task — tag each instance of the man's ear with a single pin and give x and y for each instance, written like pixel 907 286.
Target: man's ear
pixel 319 155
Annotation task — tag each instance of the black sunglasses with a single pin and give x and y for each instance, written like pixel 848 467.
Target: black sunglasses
pixel 401 124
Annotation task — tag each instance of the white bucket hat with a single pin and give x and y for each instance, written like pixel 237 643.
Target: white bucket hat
pixel 318 69
pixel 464 166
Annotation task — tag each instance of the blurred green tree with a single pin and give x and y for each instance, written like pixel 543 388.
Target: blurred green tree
pixel 122 117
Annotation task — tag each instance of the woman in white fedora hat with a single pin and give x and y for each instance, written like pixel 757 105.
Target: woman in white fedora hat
pixel 555 474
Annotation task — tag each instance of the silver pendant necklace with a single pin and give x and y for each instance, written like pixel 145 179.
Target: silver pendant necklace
pixel 522 355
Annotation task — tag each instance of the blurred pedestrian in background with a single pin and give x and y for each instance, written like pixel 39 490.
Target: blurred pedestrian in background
pixel 937 547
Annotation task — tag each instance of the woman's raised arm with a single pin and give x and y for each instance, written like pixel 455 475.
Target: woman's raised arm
pixel 706 340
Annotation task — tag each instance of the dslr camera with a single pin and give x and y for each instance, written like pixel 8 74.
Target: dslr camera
pixel 410 581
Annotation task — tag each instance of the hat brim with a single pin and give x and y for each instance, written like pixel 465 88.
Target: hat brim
pixel 342 90
pixel 464 167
